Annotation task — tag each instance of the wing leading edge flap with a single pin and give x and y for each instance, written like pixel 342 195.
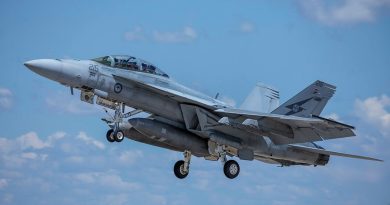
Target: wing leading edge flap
pixel 322 151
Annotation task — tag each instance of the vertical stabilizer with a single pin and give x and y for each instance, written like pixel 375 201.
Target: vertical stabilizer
pixel 262 98
pixel 310 101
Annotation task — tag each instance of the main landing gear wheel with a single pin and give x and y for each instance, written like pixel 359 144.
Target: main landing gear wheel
pixel 110 135
pixel 178 169
pixel 182 167
pixel 231 169
pixel 119 136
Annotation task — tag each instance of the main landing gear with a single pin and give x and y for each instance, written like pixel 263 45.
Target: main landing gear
pixel 231 169
pixel 182 167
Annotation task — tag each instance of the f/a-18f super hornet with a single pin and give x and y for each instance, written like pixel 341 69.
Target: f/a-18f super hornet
pixel 188 121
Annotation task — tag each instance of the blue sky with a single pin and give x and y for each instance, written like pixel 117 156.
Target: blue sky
pixel 53 148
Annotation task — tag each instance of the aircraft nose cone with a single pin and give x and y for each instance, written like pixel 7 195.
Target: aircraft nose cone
pixel 48 68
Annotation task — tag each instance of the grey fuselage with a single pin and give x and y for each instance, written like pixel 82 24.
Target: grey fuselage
pixel 141 90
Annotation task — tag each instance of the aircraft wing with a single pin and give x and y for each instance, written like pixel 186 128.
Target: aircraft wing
pixel 326 152
pixel 285 129
pixel 167 90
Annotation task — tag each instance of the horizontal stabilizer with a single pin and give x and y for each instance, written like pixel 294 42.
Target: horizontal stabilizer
pixel 322 151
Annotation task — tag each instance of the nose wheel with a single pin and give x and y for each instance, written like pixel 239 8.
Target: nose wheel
pixel 110 135
pixel 116 134
pixel 113 136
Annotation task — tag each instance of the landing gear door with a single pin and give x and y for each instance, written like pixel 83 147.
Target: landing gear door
pixel 87 96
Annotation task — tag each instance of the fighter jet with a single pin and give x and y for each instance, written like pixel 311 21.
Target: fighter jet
pixel 187 121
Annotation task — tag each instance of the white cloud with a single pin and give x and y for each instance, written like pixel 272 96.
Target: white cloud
pixel 75 159
pixel 88 140
pixel 115 181
pixel 333 116
pixel 5 98
pixel 202 184
pixel 346 12
pixel 136 34
pixel 116 199
pixel 247 27
pixel 269 189
pixel 130 156
pixel 3 183
pixel 13 151
pixel 373 110
pixel 350 172
pixel 64 102
pixel 187 34
pixel 158 199
pixel 33 156
pixel 55 137
pixel 106 179
pixel 5 92
pixel 6 145
pixel 29 155
pixel 7 198
pixel 370 144
pixel 31 140
pixel 85 177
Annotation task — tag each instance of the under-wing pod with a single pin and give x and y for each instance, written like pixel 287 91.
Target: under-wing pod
pixel 170 135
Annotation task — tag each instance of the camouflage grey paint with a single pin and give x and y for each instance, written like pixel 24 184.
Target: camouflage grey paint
pixel 208 122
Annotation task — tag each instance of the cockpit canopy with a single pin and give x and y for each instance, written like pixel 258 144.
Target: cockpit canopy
pixel 130 63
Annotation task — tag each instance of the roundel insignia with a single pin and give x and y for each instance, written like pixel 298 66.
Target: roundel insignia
pixel 117 87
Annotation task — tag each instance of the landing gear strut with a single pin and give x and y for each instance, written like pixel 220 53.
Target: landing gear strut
pixel 182 167
pixel 231 168
pixel 118 117
pixel 116 134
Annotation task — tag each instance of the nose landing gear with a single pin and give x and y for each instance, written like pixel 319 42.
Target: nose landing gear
pixel 113 136
pixel 116 134
pixel 110 135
